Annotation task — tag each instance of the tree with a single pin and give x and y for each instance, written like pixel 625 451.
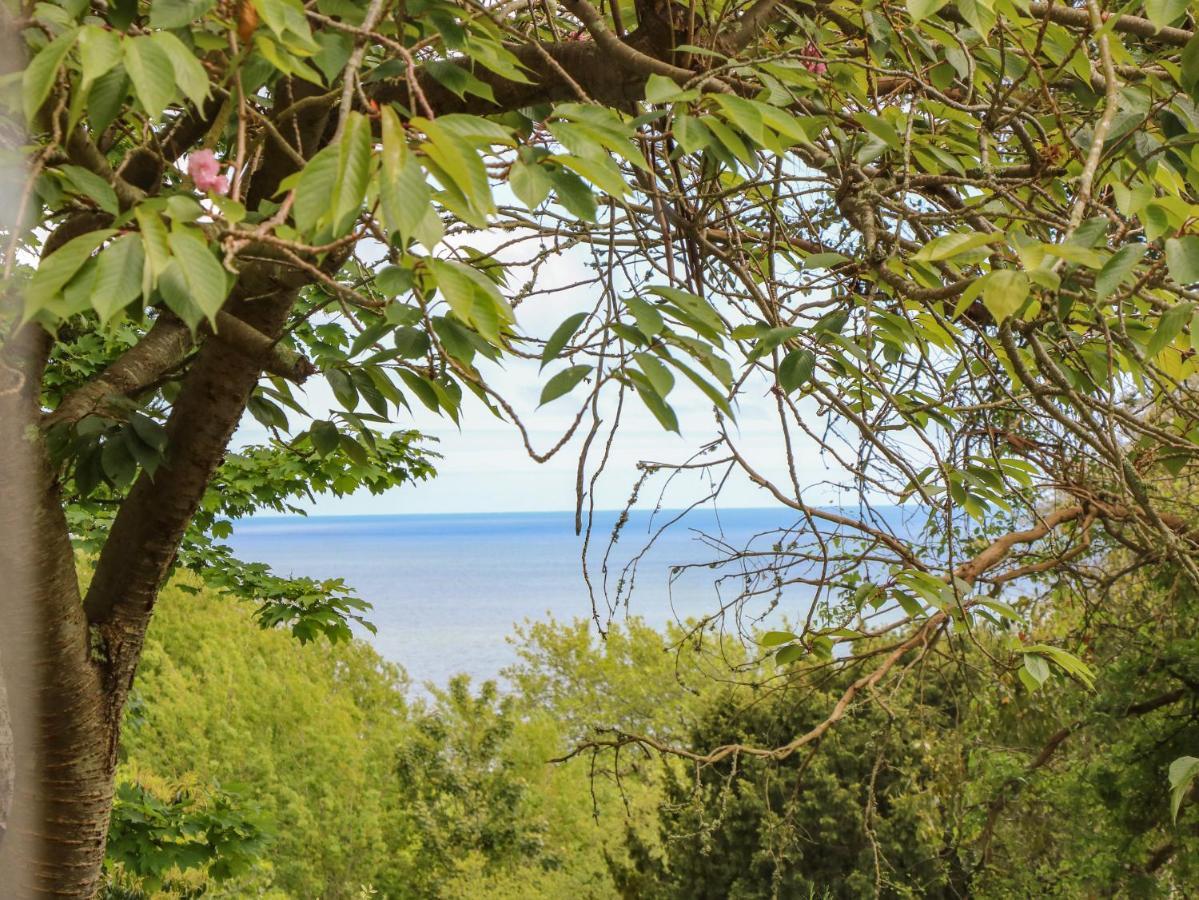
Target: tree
pixel 951 240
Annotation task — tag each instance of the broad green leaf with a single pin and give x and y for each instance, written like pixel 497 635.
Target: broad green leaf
pixel 314 189
pixel 789 654
pixel 1065 660
pixel 92 185
pixel 1182 258
pixel 353 173
pixel 287 20
pixel 118 276
pixel 649 320
pixel 402 189
pixel 189 74
pixel 203 275
pixel 152 73
pixel 1037 667
pixel 1004 292
pixel 796 369
pixel 1117 269
pixel 178 13
pixel 563 383
pixel 154 243
pixel 656 373
pixel 563 333
pixel 1169 326
pixel 573 193
pixel 39 74
pixel 1183 772
pixel 530 182
pixel 774 638
pixel 948 246
pixel 660 89
pixel 922 9
pixel 99 52
pixel 473 297
pixel 1165 12
pixel 60 267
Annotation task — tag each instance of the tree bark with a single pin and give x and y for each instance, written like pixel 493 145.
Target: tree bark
pixel 62 778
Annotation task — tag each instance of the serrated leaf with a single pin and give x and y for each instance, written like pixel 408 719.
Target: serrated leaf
pixel 948 246
pixel 1117 269
pixel 89 184
pixel 563 383
pixel 563 333
pixel 1182 258
pixel 40 73
pixel 189 73
pixel 118 276
pixel 203 275
pixel 1165 12
pixel 152 73
pixel 922 9
pixel 1169 326
pixel 774 638
pixel 1183 772
pixel 99 52
pixel 1004 292
pixel 59 267
pixel 403 192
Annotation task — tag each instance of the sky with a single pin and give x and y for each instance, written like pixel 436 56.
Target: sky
pixel 484 465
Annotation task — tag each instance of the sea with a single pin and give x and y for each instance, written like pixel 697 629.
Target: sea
pixel 446 590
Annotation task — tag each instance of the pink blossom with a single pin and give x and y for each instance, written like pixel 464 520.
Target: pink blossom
pixel 205 171
pixel 814 66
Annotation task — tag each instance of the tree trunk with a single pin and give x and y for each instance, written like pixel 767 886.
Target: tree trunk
pixel 62 752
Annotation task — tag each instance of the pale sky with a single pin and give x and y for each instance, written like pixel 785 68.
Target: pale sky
pixel 486 469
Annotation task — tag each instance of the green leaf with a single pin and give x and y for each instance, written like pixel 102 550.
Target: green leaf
pixel 403 192
pixel 1182 258
pixel 314 187
pixel 948 246
pixel 203 275
pixel 563 333
pixel 473 297
pixel 60 267
pixel 1169 326
pixel 89 184
pixel 189 73
pixel 796 369
pixel 789 654
pixel 1037 667
pixel 649 320
pixel 178 13
pixel 1117 269
pixel 922 9
pixel 660 89
pixel 1004 292
pixel 118 276
pixel 99 52
pixel 324 436
pixel 658 375
pixel 353 173
pixel 530 182
pixel 39 74
pixel 563 383
pixel 153 75
pixel 1183 772
pixel 774 638
pixel 653 401
pixel 1165 12
pixel 1065 660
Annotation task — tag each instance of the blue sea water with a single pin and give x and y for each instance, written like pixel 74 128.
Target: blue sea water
pixel 447 589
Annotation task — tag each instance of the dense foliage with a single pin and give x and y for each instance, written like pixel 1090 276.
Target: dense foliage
pixel 346 780
pixel 951 243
